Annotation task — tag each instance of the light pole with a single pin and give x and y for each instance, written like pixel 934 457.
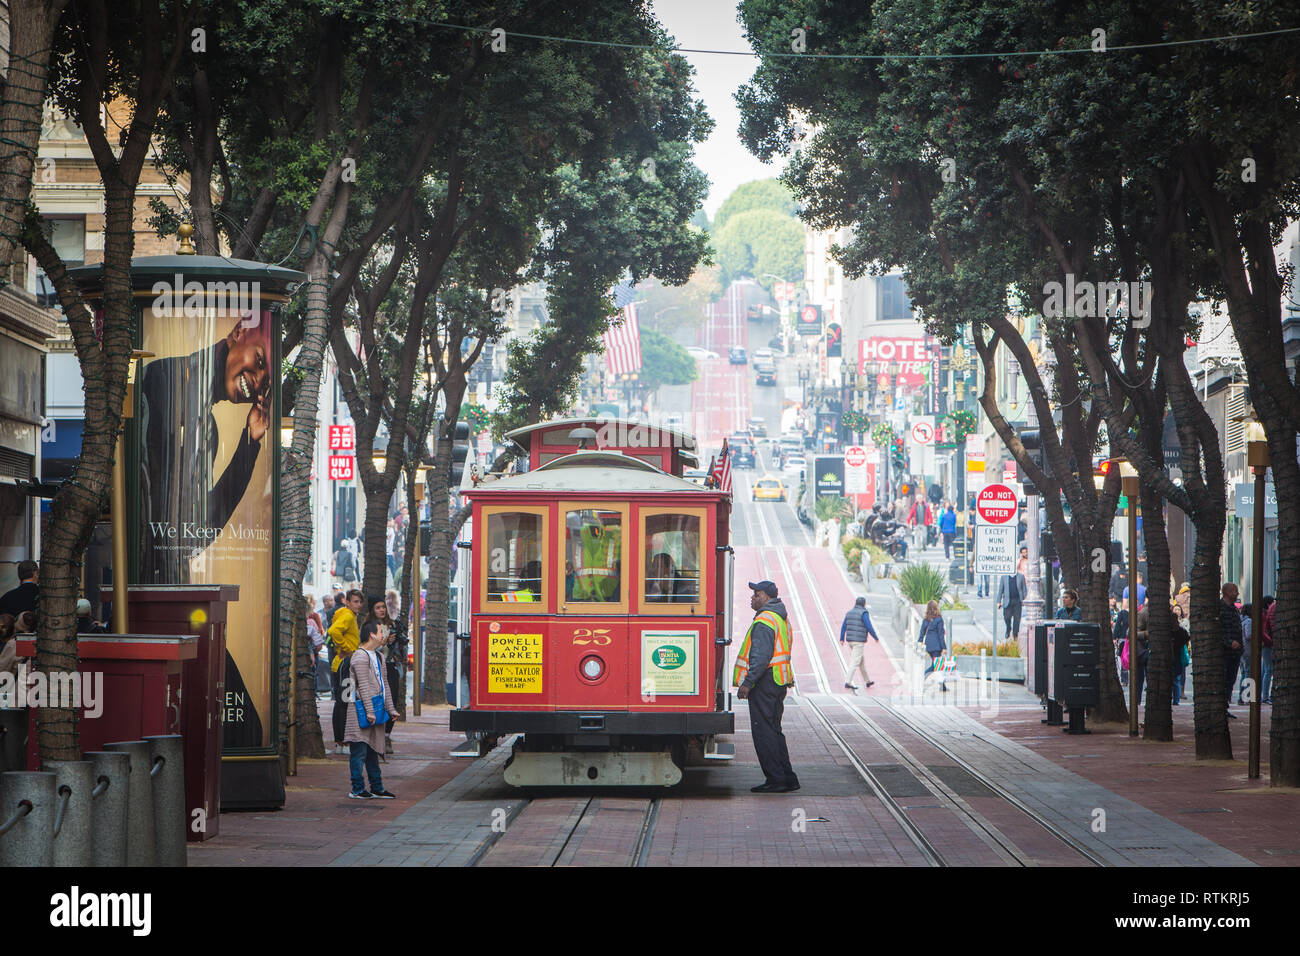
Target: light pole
pixel 1257 457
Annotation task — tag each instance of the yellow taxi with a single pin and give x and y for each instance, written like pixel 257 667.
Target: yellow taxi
pixel 769 488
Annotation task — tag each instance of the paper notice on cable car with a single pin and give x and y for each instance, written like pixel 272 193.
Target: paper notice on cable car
pixel 669 663
pixel 515 664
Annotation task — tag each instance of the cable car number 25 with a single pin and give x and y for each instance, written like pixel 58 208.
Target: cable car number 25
pixel 587 635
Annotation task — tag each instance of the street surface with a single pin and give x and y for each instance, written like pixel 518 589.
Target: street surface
pixel 889 776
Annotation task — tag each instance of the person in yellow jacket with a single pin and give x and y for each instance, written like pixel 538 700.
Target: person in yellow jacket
pixel 764 671
pixel 346 638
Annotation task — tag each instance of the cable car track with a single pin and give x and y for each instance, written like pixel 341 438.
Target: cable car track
pixel 638 855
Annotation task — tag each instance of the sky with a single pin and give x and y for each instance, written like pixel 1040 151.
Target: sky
pixel 712 24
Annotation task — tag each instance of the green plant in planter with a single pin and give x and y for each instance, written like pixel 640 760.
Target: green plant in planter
pixel 832 508
pixel 954 603
pixel 878 554
pixel 921 584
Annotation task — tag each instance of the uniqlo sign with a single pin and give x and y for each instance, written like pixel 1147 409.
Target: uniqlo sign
pixel 341 467
pixel 343 438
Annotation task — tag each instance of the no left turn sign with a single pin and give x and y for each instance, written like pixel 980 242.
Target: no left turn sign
pixel 923 433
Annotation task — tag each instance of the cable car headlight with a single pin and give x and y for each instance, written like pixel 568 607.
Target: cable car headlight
pixel 592 667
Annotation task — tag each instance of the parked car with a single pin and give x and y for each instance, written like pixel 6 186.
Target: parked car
pixel 765 374
pixel 769 488
pixel 795 464
pixel 738 356
pixel 776 345
pixel 764 357
pixel 758 427
pixel 698 353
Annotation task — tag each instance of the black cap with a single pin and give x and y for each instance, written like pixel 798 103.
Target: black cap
pixel 767 587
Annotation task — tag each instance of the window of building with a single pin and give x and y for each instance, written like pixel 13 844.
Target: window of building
pixel 593 556
pixel 68 237
pixel 672 559
pixel 514 559
pixel 892 301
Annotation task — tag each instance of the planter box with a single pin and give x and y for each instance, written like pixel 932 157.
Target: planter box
pixel 960 617
pixel 1007 668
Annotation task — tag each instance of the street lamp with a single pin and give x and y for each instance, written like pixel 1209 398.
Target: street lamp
pixel 119 498
pixel 1130 485
pixel 1257 456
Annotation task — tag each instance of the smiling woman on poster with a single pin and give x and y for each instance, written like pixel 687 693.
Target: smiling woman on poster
pixel 205 483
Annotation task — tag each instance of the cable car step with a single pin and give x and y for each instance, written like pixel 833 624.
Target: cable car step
pixel 598 769
pixel 717 750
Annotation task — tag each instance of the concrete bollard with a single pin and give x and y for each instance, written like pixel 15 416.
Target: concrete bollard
pixel 139 808
pixel 29 842
pixel 168 798
pixel 109 810
pixel 73 844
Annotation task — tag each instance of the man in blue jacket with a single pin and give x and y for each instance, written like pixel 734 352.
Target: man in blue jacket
pixel 948 528
pixel 854 630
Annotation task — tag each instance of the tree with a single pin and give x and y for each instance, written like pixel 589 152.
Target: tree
pixel 758 243
pixel 664 362
pixel 98 58
pixel 758 194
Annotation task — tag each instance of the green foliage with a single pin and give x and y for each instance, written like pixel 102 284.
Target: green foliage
pixel 954 603
pixel 664 362
pixel 973 648
pixel 830 508
pixel 758 194
pixel 759 242
pixel 921 584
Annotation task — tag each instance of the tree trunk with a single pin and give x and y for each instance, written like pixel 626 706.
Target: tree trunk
pixel 379 494
pixel 24 66
pixel 310 742
pixel 1284 727
pixel 438 585
pixel 1159 723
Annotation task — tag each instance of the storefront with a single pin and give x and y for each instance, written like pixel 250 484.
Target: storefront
pixel 24 329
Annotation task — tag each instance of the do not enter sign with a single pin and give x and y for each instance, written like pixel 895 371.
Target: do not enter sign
pixel 996 504
pixel 855 456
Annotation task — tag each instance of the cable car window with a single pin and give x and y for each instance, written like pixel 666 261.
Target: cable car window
pixel 593 556
pixel 514 557
pixel 672 559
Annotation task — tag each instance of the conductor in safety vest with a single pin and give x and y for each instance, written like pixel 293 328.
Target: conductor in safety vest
pixel 763 672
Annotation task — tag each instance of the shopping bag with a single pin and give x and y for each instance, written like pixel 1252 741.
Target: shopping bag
pixel 1123 657
pixel 377 705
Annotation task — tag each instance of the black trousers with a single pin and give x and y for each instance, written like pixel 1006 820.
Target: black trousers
pixel 1012 618
pixel 766 707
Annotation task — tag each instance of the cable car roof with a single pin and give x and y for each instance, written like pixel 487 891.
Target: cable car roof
pixel 591 471
pixel 683 441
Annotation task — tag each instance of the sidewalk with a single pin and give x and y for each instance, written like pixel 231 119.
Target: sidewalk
pixel 319 823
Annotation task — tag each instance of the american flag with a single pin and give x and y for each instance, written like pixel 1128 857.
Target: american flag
pixel 722 470
pixel 623 339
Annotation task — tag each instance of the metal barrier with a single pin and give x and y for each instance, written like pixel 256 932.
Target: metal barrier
pixel 73 831
pixel 168 779
pixel 141 847
pixel 122 806
pixel 28 804
pixel 109 808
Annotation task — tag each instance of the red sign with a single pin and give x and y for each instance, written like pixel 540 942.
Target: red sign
pixel 341 467
pixel 996 504
pixel 343 438
pixel 855 456
pixel 910 355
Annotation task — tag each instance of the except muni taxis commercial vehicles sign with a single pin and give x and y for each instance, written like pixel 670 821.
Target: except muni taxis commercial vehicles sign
pixel 515 663
pixel 996 509
pixel 670 662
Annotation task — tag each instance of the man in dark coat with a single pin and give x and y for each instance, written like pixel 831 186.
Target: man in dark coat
pixel 766 695
pixel 23 597
pixel 1233 640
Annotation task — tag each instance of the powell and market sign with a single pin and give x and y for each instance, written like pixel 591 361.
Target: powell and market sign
pixel 1245 496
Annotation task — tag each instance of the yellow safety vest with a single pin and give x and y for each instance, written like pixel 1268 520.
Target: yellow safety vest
pixel 522 595
pixel 782 668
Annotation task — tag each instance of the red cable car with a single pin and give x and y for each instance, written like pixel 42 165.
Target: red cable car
pixel 599 601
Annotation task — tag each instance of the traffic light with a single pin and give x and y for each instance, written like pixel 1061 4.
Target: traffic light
pixel 459 452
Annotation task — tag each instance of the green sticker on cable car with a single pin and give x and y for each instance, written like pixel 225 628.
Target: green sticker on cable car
pixel 669 657
pixel 669 663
